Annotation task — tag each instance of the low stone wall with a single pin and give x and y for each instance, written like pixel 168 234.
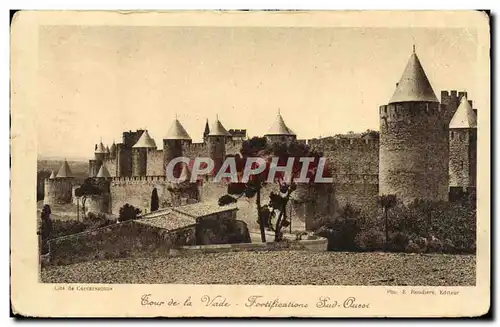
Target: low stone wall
pixel 127 239
pixel 132 239
pixel 317 245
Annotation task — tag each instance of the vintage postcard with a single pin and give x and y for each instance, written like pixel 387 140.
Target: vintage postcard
pixel 250 163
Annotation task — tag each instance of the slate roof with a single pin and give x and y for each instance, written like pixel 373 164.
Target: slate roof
pixel 103 172
pixel 218 130
pixel 177 132
pixel 145 141
pixel 279 127
pixel 64 171
pixel 464 117
pixel 414 86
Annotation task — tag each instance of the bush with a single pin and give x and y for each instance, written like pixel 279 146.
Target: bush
pixel 128 212
pixel 412 247
pixel 424 220
pixel 371 240
pixel 67 227
pixel 398 242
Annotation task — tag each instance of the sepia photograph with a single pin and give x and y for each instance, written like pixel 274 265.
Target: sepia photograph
pixel 261 155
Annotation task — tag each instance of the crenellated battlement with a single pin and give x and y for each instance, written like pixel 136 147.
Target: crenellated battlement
pixel 451 96
pixel 59 181
pixel 333 144
pixel 402 111
pixel 126 180
pixel 195 146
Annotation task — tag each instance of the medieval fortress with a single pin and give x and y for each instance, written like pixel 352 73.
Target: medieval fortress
pixel 426 149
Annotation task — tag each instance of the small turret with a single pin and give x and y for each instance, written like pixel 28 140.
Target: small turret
pixel 464 117
pixel 140 154
pixel 216 141
pixel 279 131
pixel 52 175
pixel 112 151
pixel 107 152
pixel 172 144
pixel 463 149
pixel 103 172
pixel 64 171
pixel 100 152
pixel 206 131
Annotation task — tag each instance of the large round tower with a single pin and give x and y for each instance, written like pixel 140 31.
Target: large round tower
pixel 216 141
pixel 140 154
pixel 413 140
pixel 172 145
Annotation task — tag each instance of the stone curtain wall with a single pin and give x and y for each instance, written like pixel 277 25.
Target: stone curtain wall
pixel 137 191
pixel 155 163
pixel 128 239
pixel 349 156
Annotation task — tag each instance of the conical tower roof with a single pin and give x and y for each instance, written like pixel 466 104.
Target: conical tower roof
pixel 207 129
pixel 279 127
pixel 100 148
pixel 107 149
pixel 103 172
pixel 112 149
pixel 145 141
pixel 64 171
pixel 177 132
pixel 52 175
pixel 414 86
pixel 218 130
pixel 464 117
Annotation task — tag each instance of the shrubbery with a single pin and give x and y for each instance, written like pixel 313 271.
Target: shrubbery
pixel 128 212
pixel 69 227
pixel 422 226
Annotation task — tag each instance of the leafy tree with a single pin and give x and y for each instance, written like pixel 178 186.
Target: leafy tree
pixel 258 147
pixel 128 212
pixel 46 222
pixel 86 190
pixel 386 202
pixel 254 147
pixel 46 227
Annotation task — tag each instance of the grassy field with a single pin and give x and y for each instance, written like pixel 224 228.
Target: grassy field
pixel 277 268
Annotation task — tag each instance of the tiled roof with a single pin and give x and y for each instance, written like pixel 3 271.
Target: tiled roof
pixel 202 209
pixel 168 220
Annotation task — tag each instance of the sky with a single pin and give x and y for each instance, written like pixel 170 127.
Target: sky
pixel 97 81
